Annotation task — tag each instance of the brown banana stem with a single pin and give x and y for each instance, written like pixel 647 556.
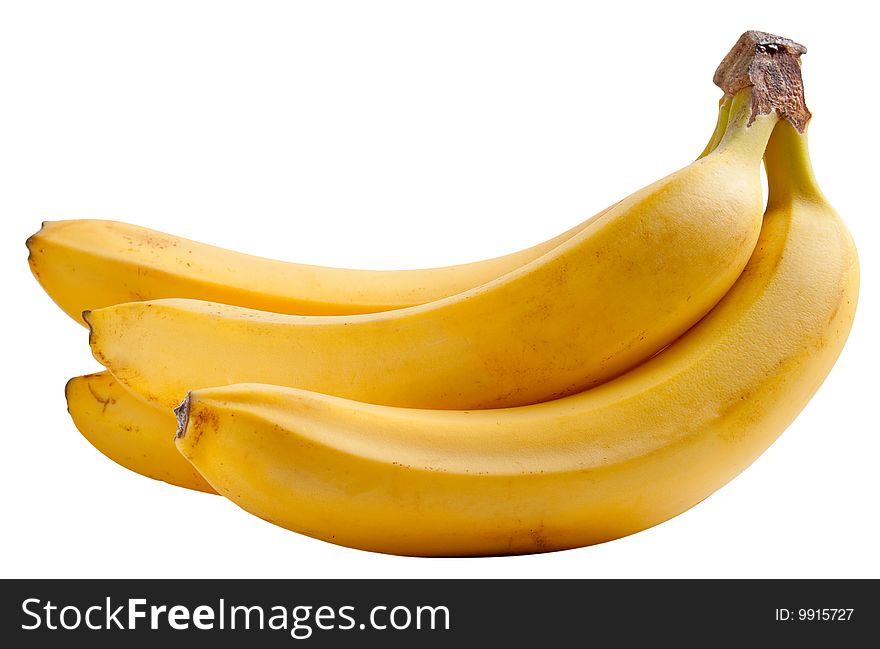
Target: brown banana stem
pixel 771 65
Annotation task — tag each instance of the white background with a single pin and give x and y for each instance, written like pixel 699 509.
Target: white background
pixel 395 135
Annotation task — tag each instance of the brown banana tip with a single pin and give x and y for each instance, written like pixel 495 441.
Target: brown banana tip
pixel 67 388
pixel 29 242
pixel 182 414
pixel 85 317
pixel 771 66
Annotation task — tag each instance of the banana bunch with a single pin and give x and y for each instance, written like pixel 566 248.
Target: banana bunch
pixel 571 393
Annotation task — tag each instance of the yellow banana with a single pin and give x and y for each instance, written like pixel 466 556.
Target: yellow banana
pixel 606 299
pixel 128 431
pixel 585 469
pixel 135 434
pixel 90 264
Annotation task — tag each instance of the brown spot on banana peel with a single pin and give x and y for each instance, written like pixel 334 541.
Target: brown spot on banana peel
pixel 104 401
pixel 771 65
pixel 538 538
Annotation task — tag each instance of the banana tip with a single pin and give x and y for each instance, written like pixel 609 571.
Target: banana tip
pixel 68 387
pixel 29 242
pixel 182 414
pixel 85 316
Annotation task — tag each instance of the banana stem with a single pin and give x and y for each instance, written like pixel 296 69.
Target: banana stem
pixel 789 169
pixel 746 135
